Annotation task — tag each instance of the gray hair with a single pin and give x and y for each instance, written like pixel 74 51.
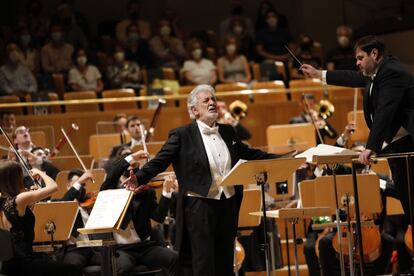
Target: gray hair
pixel 192 97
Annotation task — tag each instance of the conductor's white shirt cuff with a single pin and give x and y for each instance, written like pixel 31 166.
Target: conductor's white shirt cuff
pixel 324 76
pixel 129 158
pixel 166 194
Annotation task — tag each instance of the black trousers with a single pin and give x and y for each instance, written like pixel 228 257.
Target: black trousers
pixel 311 258
pixel 210 230
pixel 399 171
pixel 145 253
pixel 82 256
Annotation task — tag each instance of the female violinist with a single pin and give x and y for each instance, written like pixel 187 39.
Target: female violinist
pixel 15 203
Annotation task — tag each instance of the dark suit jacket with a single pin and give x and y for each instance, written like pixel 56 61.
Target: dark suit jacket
pixel 185 150
pixel 144 205
pixel 391 103
pixel 71 195
pixel 116 148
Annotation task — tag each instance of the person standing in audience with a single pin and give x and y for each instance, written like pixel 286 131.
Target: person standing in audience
pixel 197 69
pixel 84 76
pixel 168 50
pixel 232 66
pixel 135 245
pixel 342 56
pixel 16 78
pixel 202 153
pixel 15 204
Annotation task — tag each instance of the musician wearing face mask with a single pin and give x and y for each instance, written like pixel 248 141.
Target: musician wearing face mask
pixel 16 78
pixel 197 69
pixel 342 56
pixel 233 67
pixel 84 76
pixel 122 73
pixel 168 49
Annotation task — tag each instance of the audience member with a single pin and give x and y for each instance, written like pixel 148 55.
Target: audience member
pixel 16 78
pixel 306 55
pixel 232 66
pixel 342 57
pixel 238 29
pixel 176 29
pixel 122 73
pixel 72 32
pixel 261 21
pixel 236 12
pixel 198 70
pixel 37 21
pixel 137 49
pixel 28 54
pixel 168 50
pixel 103 53
pixel 56 55
pixel 84 76
pixel 133 9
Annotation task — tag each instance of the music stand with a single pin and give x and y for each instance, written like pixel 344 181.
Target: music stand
pixel 262 172
pixel 51 226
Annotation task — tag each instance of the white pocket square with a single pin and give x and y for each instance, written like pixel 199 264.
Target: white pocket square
pixel 233 143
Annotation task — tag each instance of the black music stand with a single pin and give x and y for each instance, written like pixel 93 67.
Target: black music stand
pixel 262 172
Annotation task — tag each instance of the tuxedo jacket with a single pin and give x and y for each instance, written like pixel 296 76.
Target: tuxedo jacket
pixel 185 150
pixel 389 106
pixel 143 206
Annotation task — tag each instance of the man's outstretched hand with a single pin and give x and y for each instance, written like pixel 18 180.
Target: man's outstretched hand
pixel 131 183
pixel 311 72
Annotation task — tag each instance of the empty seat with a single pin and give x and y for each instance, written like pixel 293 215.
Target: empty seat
pixel 316 85
pixel 232 87
pixel 82 95
pixel 119 93
pixel 52 97
pixel 11 99
pixel 264 96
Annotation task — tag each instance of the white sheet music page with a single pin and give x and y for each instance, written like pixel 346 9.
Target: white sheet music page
pixel 108 208
pixel 321 149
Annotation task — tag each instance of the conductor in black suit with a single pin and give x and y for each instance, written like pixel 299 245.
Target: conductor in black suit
pixel 388 104
pixel 201 153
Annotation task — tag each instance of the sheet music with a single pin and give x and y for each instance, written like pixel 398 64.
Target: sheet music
pixel 321 149
pixel 241 161
pixel 108 208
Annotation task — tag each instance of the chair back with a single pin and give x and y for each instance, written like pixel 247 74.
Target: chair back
pixel 236 86
pixel 81 95
pixel 283 138
pixel 265 96
pixel 59 83
pixel 119 93
pixel 11 99
pixel 318 90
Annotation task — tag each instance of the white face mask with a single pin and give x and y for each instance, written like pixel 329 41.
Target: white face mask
pixel 231 49
pixel 197 53
pixel 82 60
pixel 119 56
pixel 165 31
pixel 272 22
pixel 343 41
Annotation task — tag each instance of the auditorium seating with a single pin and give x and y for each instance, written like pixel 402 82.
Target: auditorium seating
pixel 119 93
pixel 264 96
pixel 82 95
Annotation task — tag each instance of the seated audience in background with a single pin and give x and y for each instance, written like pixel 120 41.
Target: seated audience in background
pixel 236 12
pixel 37 21
pixel 232 66
pixel 122 73
pixel 306 55
pixel 225 117
pixel 342 57
pixel 84 76
pixel 176 29
pixel 133 10
pixel 137 48
pixel 56 55
pixel 264 7
pixel 238 29
pixel 8 119
pixel 15 205
pixel 73 33
pixel 308 108
pixel 168 50
pixel 197 69
pixel 28 54
pixel 132 127
pixel 16 78
pixel 103 54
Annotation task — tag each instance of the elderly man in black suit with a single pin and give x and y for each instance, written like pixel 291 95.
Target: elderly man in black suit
pixel 388 104
pixel 201 153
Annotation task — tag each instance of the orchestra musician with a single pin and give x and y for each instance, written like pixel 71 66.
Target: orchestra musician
pixel 134 243
pixel 8 119
pixel 225 117
pixel 132 127
pixel 307 105
pixel 201 153
pixel 14 205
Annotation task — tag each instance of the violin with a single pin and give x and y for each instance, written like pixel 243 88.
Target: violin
pixel 408 240
pixel 90 199
pixel 239 256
